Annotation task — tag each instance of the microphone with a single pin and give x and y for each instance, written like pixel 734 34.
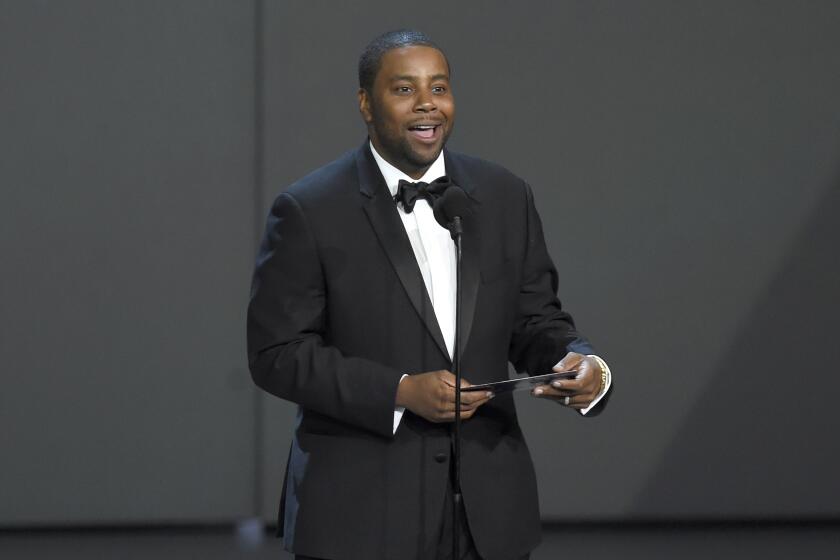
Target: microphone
pixel 450 208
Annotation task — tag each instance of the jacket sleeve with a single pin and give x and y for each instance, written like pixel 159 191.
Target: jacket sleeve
pixel 542 332
pixel 286 326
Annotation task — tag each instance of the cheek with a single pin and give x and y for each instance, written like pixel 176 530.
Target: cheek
pixel 447 108
pixel 383 121
pixel 384 115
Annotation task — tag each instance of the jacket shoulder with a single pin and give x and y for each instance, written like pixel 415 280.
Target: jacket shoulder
pixel 327 182
pixel 483 167
pixel 490 180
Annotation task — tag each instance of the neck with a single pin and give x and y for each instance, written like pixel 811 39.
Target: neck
pixel 415 174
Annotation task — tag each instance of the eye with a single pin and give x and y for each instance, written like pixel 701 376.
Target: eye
pixel 439 89
pixel 403 90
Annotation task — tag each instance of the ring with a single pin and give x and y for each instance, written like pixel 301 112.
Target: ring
pixel 566 401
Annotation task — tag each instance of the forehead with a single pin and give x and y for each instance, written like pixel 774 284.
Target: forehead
pixel 416 61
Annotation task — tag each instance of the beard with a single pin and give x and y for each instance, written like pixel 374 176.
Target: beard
pixel 396 146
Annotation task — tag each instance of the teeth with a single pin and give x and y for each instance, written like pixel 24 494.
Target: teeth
pixel 424 127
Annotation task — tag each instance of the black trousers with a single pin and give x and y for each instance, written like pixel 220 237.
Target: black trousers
pixel 466 545
pixel 444 548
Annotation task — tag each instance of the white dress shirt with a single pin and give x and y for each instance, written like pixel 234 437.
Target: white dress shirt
pixel 435 254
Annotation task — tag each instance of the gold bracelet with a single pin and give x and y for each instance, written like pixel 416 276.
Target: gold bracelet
pixel 603 365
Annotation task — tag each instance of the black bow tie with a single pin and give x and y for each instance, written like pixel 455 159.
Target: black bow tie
pixel 408 192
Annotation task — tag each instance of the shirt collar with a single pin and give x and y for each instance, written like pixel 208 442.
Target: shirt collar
pixel 392 175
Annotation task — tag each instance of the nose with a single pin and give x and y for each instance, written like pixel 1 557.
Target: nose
pixel 425 102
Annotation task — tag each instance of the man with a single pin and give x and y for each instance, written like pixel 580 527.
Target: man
pixel 352 317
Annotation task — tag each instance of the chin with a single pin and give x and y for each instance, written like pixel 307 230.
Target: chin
pixel 425 159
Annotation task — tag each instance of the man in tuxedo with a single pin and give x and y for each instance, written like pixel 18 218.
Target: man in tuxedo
pixel 352 317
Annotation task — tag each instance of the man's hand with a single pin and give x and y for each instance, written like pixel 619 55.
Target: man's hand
pixel 580 391
pixel 431 395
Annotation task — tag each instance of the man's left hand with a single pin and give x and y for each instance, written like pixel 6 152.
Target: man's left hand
pixel 577 393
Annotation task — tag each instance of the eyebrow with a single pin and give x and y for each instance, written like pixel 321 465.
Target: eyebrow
pixel 412 78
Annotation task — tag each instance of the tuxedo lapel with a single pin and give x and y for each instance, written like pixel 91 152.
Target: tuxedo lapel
pixel 381 211
pixel 470 248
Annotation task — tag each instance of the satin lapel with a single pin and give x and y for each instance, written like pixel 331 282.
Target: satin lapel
pixel 470 248
pixel 382 213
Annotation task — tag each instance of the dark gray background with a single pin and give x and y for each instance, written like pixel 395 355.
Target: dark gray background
pixel 686 162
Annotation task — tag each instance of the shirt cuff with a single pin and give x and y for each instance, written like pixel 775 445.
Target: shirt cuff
pixel 399 410
pixel 603 391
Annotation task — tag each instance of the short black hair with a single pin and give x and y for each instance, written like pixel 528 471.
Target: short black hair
pixel 371 58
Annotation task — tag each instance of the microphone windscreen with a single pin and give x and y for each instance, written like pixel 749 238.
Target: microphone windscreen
pixel 454 202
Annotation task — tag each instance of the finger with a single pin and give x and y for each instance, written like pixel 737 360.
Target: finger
pixel 542 390
pixel 591 385
pixel 443 418
pixel 450 416
pixel 475 404
pixel 578 402
pixel 447 377
pixel 580 405
pixel 582 399
pixel 569 362
pixel 466 396
pixel 470 397
pixel 586 380
pixel 568 385
pixel 551 392
pixel 449 407
pixel 466 415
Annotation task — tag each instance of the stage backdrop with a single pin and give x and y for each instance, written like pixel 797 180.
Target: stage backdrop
pixel 685 159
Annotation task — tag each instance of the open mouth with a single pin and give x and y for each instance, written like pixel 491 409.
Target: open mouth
pixel 424 131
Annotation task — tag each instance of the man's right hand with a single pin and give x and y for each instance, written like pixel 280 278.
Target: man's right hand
pixel 431 395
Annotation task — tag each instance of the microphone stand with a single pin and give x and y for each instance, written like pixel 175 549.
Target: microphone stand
pixel 456 230
pixel 448 210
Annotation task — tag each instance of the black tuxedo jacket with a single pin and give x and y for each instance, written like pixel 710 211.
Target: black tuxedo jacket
pixel 339 312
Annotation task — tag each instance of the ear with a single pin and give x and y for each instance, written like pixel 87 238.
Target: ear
pixel 364 105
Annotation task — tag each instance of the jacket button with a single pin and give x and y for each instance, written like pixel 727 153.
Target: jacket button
pixel 440 457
